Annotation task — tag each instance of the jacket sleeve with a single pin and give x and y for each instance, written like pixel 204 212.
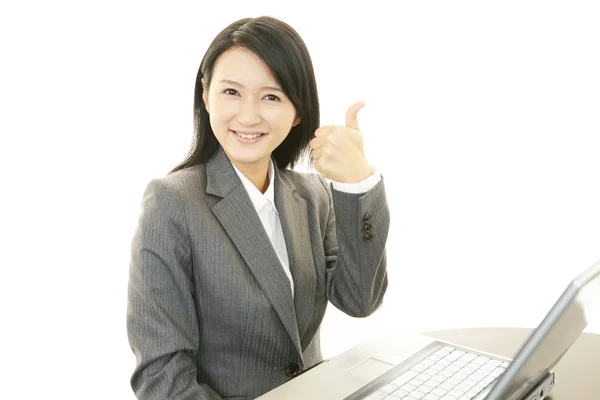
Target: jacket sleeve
pixel 355 238
pixel 162 324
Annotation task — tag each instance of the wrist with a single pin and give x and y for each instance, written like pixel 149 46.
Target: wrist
pixel 361 174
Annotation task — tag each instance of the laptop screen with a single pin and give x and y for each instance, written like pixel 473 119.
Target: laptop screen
pixel 553 337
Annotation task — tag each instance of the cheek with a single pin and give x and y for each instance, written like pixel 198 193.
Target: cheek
pixel 281 120
pixel 222 111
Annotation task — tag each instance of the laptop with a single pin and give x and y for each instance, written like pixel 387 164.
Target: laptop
pixel 418 367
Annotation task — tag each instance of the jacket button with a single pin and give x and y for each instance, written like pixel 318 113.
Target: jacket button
pixel 368 227
pixel 368 237
pixel 367 217
pixel 292 369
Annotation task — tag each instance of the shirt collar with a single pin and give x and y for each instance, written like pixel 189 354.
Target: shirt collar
pixel 259 200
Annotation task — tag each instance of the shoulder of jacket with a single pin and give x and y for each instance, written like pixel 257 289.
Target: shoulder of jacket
pixel 309 185
pixel 184 177
pixel 180 182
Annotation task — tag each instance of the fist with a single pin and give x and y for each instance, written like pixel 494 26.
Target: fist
pixel 338 151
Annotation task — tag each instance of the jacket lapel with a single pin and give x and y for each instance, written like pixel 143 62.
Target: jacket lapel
pixel 293 214
pixel 238 217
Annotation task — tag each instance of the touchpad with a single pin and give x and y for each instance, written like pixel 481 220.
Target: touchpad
pixel 370 369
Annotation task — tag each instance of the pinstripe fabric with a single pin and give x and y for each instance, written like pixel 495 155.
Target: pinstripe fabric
pixel 210 313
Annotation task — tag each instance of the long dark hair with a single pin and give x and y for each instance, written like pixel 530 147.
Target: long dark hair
pixel 284 51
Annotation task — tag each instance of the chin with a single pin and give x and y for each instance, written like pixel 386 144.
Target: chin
pixel 245 157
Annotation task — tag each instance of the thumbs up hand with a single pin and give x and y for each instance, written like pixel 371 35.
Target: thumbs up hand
pixel 338 150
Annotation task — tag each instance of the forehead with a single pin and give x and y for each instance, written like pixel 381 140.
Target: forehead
pixel 242 65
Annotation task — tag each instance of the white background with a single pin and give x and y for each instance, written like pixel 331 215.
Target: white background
pixel 483 119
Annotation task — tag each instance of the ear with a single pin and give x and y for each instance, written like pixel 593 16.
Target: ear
pixel 205 96
pixel 297 121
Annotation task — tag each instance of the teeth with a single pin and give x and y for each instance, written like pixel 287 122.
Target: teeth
pixel 248 136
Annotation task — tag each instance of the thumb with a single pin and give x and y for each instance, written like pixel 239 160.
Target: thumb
pixel 352 114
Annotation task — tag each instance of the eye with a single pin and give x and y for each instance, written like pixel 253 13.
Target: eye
pixel 230 91
pixel 273 97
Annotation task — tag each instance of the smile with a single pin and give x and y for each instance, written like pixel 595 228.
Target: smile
pixel 247 136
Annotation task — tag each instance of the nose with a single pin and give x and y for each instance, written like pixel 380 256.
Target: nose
pixel 249 113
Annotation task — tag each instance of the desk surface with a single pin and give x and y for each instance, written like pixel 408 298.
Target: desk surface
pixel 577 373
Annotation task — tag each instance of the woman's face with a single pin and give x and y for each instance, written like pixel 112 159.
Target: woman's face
pixel 249 113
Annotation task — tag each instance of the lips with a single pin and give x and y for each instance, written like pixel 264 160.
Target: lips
pixel 248 135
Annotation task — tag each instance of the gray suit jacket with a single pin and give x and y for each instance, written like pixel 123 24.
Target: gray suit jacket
pixel 210 311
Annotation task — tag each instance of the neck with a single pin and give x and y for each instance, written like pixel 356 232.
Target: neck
pixel 257 174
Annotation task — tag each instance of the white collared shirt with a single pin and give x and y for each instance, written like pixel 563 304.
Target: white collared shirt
pixel 267 212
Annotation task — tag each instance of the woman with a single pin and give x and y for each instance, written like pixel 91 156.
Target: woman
pixel 236 255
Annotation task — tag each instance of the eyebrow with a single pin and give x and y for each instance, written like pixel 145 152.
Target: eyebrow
pixel 240 85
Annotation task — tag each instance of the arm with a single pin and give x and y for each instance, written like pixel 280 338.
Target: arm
pixel 162 323
pixel 356 268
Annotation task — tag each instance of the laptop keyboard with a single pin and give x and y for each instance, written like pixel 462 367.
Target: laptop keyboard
pixel 447 374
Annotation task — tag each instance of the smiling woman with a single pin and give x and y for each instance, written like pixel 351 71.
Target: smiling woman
pixel 249 108
pixel 254 64
pixel 236 256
